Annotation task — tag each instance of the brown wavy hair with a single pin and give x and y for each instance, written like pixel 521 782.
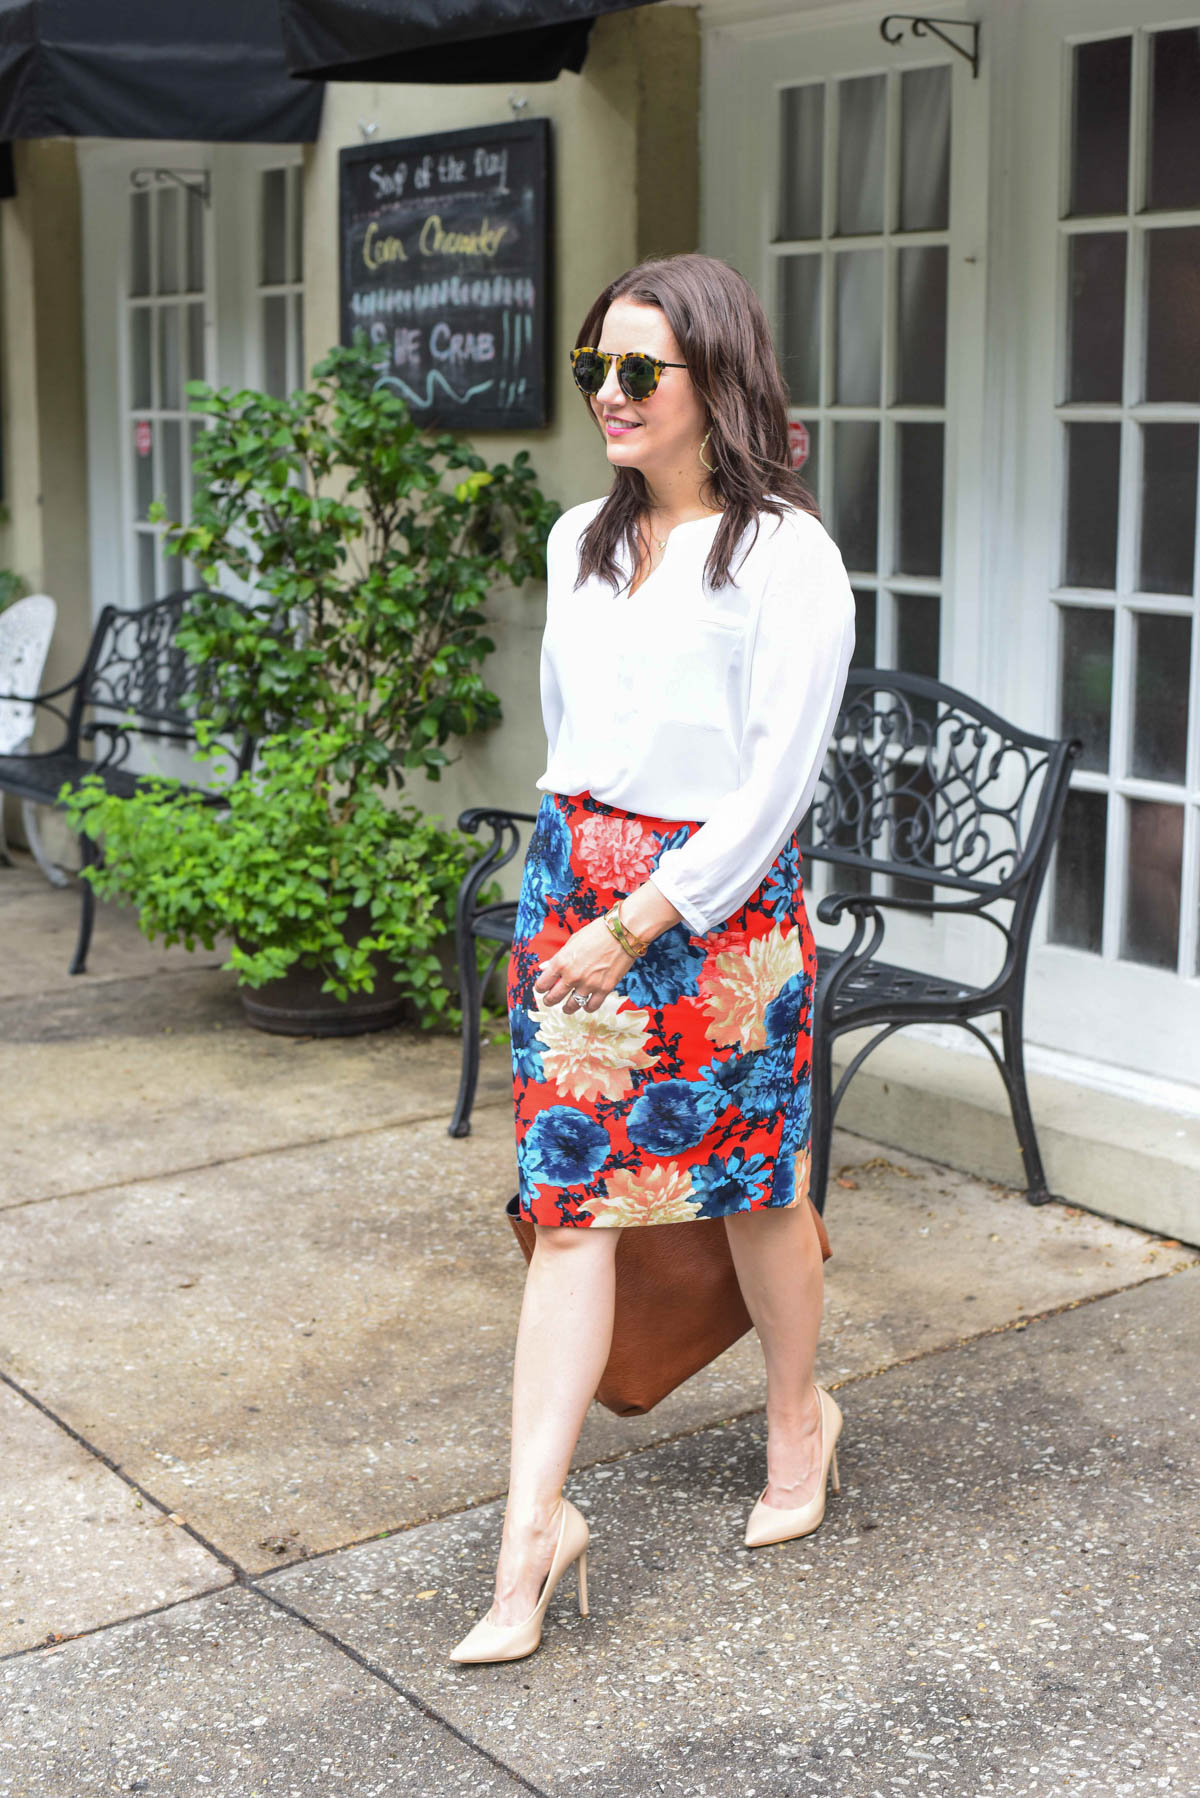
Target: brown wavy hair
pixel 723 335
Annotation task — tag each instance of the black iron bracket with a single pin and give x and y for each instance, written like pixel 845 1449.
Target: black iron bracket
pixel 192 181
pixel 921 26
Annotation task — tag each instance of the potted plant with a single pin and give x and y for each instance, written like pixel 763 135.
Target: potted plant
pixel 367 547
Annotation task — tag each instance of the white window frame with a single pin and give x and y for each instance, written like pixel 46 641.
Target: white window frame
pixel 1097 1005
pixel 746 64
pixel 233 347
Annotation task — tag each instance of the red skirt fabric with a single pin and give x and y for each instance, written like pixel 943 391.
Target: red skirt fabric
pixel 687 1095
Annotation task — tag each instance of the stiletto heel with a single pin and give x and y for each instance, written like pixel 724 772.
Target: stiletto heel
pixel 513 1641
pixel 768 1523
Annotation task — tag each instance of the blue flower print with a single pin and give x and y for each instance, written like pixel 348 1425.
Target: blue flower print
pixel 670 1116
pixel 547 869
pixel 797 1125
pixel 732 1184
pixel 782 1016
pixel 564 1147
pixel 755 1083
pixel 767 1086
pixel 781 883
pixel 669 970
pixel 526 1044
pixel 783 1187
pixel 797 1129
pixel 669 839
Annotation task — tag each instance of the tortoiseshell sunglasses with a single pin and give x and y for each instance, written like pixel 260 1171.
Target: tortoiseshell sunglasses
pixel 637 374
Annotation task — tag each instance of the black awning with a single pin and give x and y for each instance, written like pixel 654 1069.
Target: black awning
pixel 204 70
pixel 440 40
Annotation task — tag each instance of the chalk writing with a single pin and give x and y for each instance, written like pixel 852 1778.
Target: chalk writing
pixel 443 255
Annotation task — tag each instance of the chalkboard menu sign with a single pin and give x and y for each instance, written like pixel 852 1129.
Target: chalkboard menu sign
pixel 445 250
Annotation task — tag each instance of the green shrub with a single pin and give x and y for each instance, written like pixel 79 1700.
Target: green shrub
pixel 366 548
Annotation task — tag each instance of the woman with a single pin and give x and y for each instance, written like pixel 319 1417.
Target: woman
pixel 699 629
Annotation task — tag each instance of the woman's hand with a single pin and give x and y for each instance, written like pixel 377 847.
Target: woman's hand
pixel 591 961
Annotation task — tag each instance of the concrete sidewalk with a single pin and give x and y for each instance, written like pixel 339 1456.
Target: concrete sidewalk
pixel 256 1317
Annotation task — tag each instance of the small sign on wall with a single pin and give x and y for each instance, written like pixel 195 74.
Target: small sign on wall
pixel 798 442
pixel 444 257
pixel 143 437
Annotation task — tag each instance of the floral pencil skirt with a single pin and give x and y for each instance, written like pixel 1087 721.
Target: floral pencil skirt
pixel 686 1095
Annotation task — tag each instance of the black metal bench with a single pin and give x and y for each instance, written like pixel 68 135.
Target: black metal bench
pixel 923 791
pixel 926 792
pixel 134 683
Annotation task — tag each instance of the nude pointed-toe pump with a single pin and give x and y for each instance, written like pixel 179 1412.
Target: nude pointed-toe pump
pixel 768 1523
pixel 512 1642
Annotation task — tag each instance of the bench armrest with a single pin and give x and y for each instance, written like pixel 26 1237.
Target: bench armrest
pixel 506 838
pixel 831 907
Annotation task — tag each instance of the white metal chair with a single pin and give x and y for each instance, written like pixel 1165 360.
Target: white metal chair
pixel 26 628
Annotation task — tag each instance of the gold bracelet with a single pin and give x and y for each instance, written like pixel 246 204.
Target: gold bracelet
pixel 631 944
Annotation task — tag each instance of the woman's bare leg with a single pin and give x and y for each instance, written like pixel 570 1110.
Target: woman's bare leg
pixel 563 1342
pixel 777 1255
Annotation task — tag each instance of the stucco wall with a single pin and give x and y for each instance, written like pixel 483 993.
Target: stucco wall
pixel 625 148
pixel 41 376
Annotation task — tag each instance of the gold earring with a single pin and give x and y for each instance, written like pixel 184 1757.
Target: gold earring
pixel 710 467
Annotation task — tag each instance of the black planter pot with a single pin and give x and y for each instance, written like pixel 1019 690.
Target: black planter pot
pixel 294 1005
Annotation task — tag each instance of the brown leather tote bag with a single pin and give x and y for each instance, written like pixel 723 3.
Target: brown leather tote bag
pixel 678 1306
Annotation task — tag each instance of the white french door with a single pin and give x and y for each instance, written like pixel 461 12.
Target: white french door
pixel 193 270
pixel 1110 644
pixel 846 178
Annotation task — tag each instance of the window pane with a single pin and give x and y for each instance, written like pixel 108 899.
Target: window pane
pixel 919 499
pixel 275 345
pixel 1168 535
pixel 169 391
pixel 143 468
pixel 1174 175
pixel 1085 681
pixel 147 585
pixel 799 334
pixel 861 114
pixel 1096 319
pixel 296 234
pixel 856 491
pixel 194 428
pixel 925 149
pixel 1093 482
pixel 139 222
pixel 1100 127
pixel 1077 906
pixel 274 226
pixel 1162 659
pixel 139 358
pixel 1172 295
pixel 168 240
pixel 195 342
pixel 297 340
pixel 808 470
pixel 194 249
pixel 859 343
pixel 921 327
pixel 172 471
pixel 1150 932
pixel 865 605
pixel 801 161
pixel 918 620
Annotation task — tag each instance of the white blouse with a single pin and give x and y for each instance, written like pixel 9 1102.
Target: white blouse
pixel 686 701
